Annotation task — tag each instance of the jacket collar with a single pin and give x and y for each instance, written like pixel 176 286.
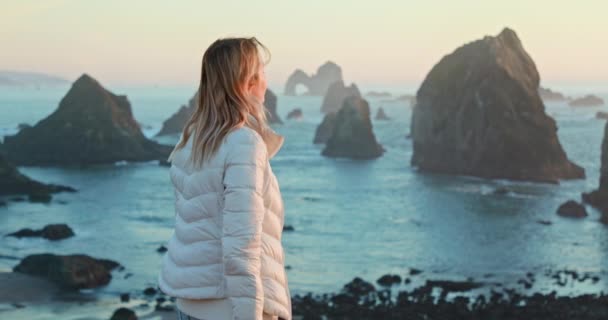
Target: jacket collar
pixel 273 140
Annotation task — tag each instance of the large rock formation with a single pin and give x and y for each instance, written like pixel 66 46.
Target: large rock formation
pixel 90 126
pixel 318 83
pixel 177 121
pixel 325 129
pixel 599 198
pixel 13 182
pixel 587 101
pixel 337 92
pixel 479 113
pixel 352 135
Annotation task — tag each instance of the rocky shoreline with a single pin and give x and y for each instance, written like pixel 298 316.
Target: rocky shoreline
pixel 362 299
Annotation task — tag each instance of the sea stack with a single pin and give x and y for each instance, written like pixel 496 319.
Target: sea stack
pixel 337 92
pixel 599 198
pixel 479 113
pixel 175 124
pixel 318 83
pixel 352 135
pixel 91 126
pixel 178 120
pixel 381 115
pixel 270 102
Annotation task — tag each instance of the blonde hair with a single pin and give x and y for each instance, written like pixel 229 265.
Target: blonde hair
pixel 228 67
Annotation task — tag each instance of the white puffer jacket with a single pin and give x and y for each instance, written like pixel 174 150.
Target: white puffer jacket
pixel 228 227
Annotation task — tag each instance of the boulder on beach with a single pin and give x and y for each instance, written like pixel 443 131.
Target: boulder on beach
pixel 587 101
pixel 13 182
pixel 549 95
pixel 325 128
pixel 337 92
pixel 90 126
pixel 51 232
pixel 318 83
pixel 381 115
pixel 295 114
pixel 77 271
pixel 352 135
pixel 478 113
pixel 175 124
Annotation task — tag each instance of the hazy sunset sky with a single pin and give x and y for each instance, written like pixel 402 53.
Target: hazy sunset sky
pixel 376 42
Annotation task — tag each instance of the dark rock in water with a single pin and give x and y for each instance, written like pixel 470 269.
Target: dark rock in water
pixel 601 115
pixel 599 198
pixel 51 232
pixel 288 228
pixel 76 271
pixel 337 92
pixel 381 115
pixel 270 102
pixel 324 130
pixel 572 209
pixel 414 271
pixel 454 286
pixel 587 101
pixel 549 95
pixel 90 126
pixel 149 291
pixel 175 124
pixel 388 280
pixel 318 83
pixel 545 222
pixel 295 114
pixel 478 113
pixel 501 191
pixel 352 135
pixel 124 314
pixel 161 249
pixel 13 182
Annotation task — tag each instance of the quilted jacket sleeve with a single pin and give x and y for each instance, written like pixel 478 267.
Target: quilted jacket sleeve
pixel 243 214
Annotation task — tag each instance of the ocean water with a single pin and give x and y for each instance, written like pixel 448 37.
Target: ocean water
pixel 351 218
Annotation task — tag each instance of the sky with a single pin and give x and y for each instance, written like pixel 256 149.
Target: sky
pixel 377 43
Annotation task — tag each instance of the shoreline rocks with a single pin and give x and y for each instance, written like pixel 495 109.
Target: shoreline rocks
pixel 72 272
pixel 51 232
pixel 317 83
pixel 91 126
pixel 479 113
pixel 12 182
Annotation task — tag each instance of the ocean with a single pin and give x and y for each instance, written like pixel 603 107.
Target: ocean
pixel 352 218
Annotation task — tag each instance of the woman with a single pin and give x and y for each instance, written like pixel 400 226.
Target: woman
pixel 225 259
